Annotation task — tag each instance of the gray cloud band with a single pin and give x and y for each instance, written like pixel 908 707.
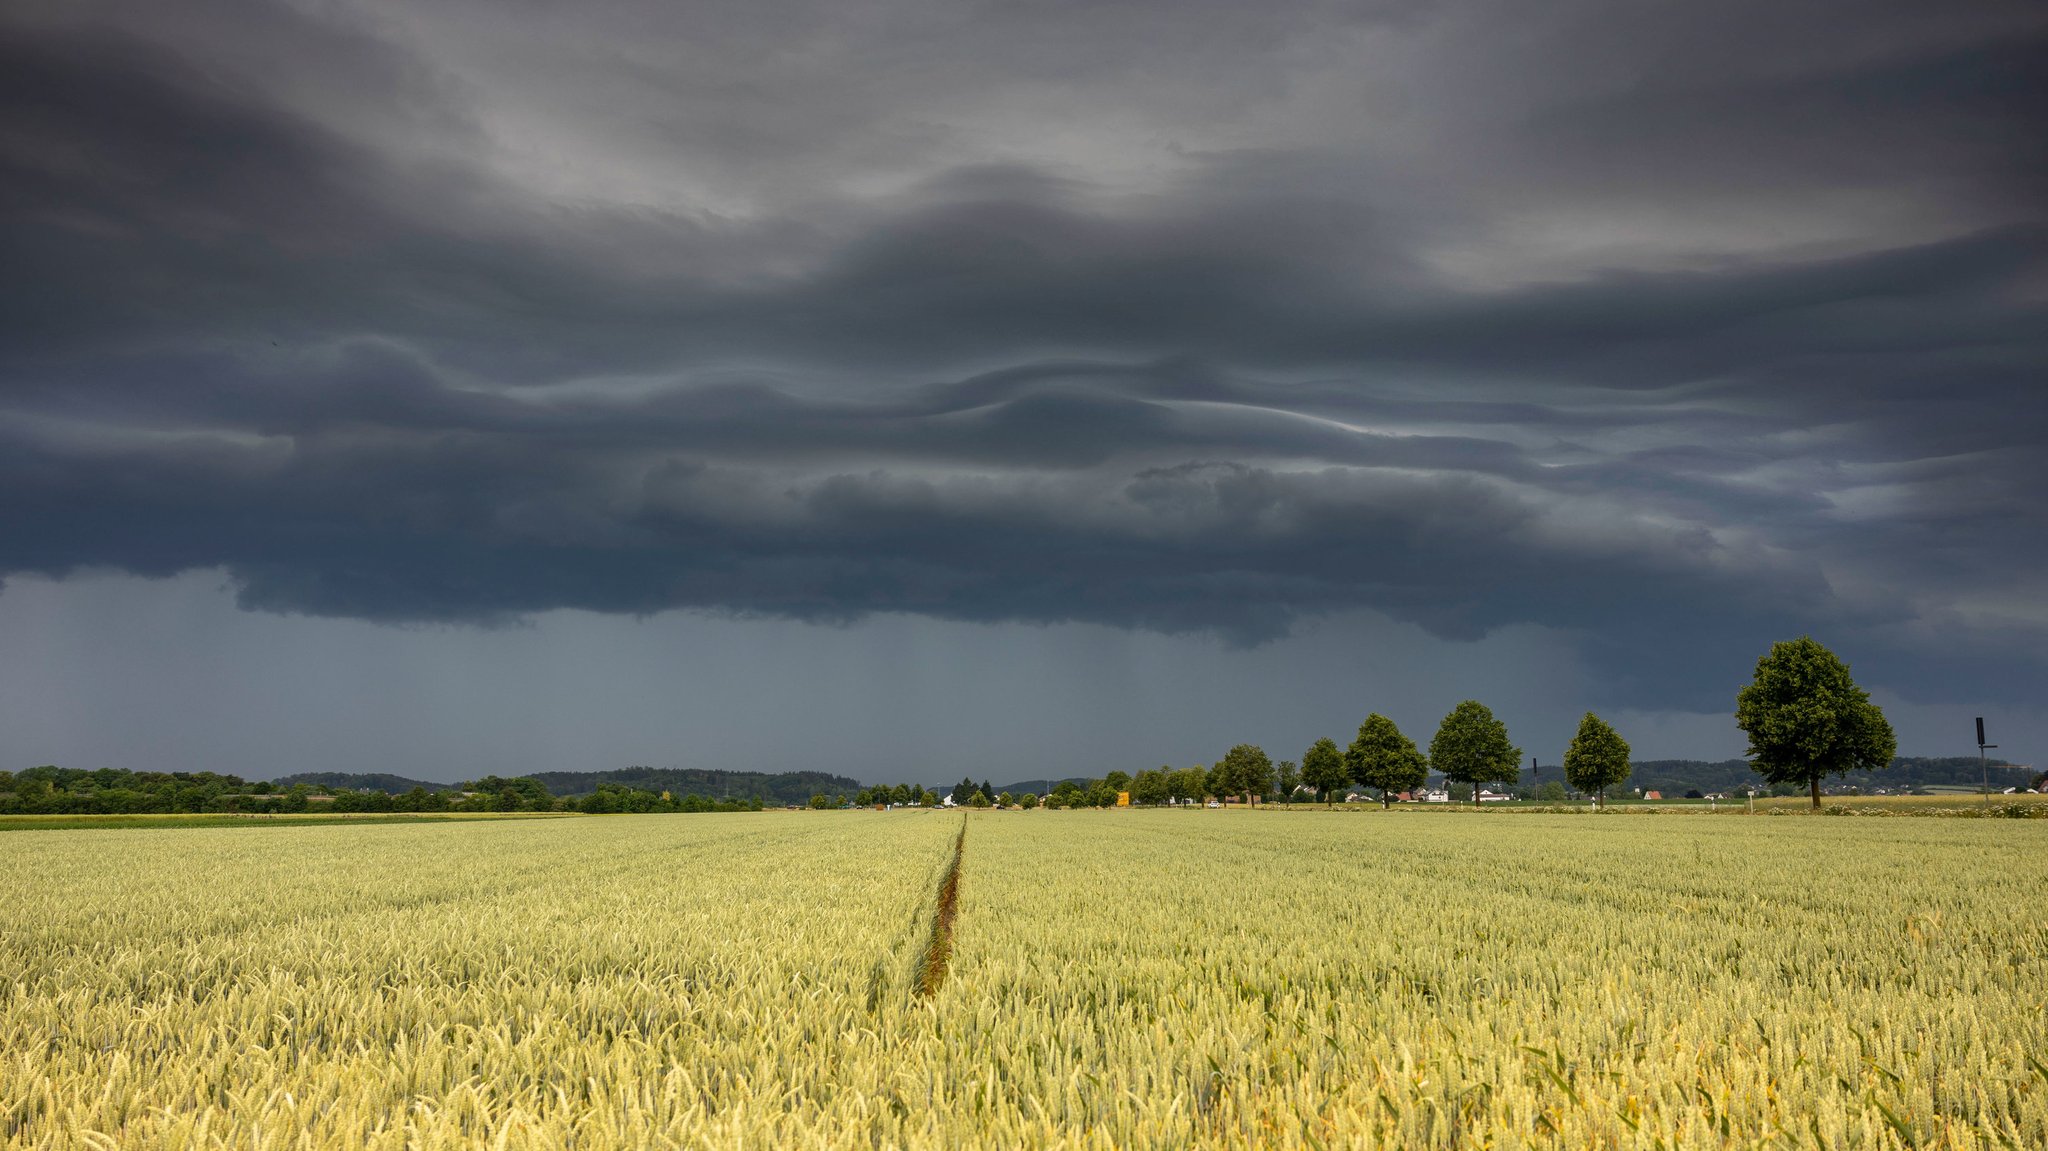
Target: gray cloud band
pixel 233 334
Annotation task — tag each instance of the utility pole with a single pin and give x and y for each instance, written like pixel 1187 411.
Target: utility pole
pixel 1983 764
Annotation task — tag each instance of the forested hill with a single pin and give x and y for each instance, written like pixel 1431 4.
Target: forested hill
pixel 359 781
pixel 778 787
pixel 1042 786
pixel 1676 776
pixel 773 787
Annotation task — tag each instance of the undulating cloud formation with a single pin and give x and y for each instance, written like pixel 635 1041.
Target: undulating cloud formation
pixel 1669 330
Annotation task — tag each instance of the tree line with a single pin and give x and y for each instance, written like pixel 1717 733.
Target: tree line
pixel 1470 748
pixel 52 790
pixel 1803 713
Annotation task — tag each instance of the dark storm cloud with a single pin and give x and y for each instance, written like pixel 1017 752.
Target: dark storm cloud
pixel 1673 359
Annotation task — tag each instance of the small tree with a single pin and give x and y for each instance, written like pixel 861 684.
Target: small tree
pixel 1247 771
pixel 819 801
pixel 1030 800
pixel 1381 757
pixel 1806 718
pixel 1287 777
pixel 1472 747
pixel 1597 758
pixel 1322 768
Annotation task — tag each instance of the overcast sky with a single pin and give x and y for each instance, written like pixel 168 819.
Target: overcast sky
pixel 915 389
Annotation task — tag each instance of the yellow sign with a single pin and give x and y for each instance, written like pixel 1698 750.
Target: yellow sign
pixel 1123 799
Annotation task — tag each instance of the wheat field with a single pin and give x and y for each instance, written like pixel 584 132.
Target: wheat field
pixel 1114 979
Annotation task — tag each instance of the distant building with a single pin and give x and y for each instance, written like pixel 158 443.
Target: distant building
pixel 1653 795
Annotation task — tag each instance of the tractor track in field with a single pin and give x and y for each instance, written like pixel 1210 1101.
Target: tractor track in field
pixel 938 950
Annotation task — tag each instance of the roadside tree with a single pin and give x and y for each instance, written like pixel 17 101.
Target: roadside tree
pixel 1247 771
pixel 1597 758
pixel 1806 718
pixel 1216 781
pixel 1286 777
pixel 1383 758
pixel 1152 786
pixel 1322 768
pixel 1471 747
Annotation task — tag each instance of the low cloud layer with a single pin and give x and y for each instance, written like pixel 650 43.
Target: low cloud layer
pixel 1672 333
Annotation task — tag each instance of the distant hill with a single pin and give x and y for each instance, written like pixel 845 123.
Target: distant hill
pixel 1039 786
pixel 776 787
pixel 360 781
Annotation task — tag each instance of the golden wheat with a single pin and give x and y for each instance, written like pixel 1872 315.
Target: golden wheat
pixel 1123 979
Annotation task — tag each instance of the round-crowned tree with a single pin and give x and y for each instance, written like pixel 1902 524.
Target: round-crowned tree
pixel 1381 757
pixel 1246 771
pixel 1807 719
pixel 1322 768
pixel 1597 758
pixel 1472 747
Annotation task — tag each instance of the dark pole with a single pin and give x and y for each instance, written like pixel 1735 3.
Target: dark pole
pixel 1983 764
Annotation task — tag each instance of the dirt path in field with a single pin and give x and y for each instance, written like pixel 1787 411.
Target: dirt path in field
pixel 938 951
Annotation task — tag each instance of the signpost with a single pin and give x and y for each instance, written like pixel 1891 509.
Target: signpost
pixel 1983 764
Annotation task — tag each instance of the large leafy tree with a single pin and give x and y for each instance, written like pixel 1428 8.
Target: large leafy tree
pixel 1471 746
pixel 1383 758
pixel 1322 768
pixel 1246 771
pixel 1806 718
pixel 1597 758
